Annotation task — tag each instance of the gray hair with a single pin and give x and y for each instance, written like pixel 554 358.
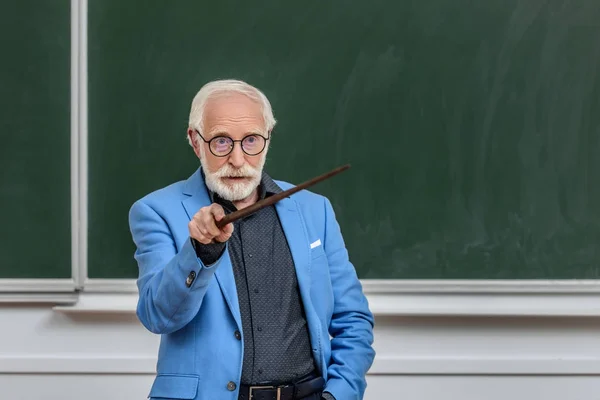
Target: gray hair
pixel 214 88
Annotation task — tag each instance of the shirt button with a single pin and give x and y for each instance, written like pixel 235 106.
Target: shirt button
pixel 238 335
pixel 250 255
pixel 231 386
pixel 260 371
pixel 255 290
pixel 190 279
pixel 259 328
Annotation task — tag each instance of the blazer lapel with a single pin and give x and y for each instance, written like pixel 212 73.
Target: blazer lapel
pixel 198 198
pixel 295 232
pixel 196 195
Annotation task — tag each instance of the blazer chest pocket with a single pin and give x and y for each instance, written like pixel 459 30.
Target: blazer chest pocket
pixel 317 252
pixel 319 264
pixel 167 386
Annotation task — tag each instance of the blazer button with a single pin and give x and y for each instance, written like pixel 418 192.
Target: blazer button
pixel 190 279
pixel 231 386
pixel 238 335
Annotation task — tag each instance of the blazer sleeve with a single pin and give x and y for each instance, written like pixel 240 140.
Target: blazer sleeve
pixel 171 283
pixel 352 322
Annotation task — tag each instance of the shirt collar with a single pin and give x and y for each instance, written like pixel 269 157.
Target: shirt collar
pixel 268 186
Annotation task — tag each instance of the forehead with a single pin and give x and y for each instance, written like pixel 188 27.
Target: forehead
pixel 232 110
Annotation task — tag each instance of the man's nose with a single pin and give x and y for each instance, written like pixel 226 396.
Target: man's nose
pixel 236 157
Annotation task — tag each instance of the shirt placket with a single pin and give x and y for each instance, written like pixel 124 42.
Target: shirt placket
pixel 252 261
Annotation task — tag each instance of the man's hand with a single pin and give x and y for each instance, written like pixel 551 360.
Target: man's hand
pixel 203 226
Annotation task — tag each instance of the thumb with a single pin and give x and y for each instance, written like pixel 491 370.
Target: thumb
pixel 217 212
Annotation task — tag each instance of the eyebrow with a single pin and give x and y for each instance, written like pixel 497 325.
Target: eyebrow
pixel 219 132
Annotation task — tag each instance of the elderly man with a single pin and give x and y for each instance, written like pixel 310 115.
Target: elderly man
pixel 267 307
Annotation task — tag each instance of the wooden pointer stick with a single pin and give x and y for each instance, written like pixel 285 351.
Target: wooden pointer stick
pixel 234 216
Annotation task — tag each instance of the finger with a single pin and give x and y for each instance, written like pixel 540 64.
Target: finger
pixel 209 227
pixel 204 240
pixel 222 238
pixel 202 227
pixel 198 216
pixel 197 234
pixel 228 229
pixel 195 231
pixel 225 234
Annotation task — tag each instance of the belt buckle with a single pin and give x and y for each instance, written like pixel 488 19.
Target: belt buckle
pixel 251 388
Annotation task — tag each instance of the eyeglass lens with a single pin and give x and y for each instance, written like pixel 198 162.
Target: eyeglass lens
pixel 252 145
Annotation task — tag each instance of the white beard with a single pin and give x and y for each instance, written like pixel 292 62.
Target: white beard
pixel 236 191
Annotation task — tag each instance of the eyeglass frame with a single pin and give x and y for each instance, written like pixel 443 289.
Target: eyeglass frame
pixel 234 142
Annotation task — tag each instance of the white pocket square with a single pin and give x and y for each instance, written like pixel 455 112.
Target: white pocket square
pixel 315 244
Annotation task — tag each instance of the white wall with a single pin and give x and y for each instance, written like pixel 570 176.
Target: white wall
pixel 451 345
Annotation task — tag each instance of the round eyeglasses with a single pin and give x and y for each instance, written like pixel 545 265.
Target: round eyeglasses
pixel 221 146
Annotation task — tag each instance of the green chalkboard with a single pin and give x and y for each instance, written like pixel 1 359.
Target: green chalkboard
pixel 35 139
pixel 473 128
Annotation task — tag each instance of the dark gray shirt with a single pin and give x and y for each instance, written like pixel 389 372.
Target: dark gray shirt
pixel 276 339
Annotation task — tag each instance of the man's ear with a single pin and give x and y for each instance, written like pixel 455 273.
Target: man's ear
pixel 192 135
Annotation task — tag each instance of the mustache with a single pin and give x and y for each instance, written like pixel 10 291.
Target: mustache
pixel 246 171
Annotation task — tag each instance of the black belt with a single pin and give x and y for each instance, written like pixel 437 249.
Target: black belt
pixel 286 392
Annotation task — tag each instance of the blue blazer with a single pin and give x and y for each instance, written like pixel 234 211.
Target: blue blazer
pixel 195 307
